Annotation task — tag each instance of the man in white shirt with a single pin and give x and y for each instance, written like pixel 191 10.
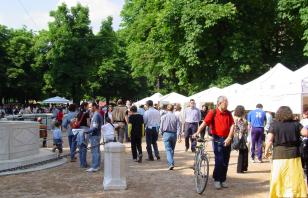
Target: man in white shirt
pixel 192 117
pixel 152 121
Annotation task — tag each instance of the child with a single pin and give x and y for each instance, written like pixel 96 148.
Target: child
pixel 108 131
pixel 57 138
pixel 82 146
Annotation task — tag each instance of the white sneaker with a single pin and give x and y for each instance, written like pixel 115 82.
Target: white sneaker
pixel 217 185
pixel 224 185
pixel 92 169
pixel 253 161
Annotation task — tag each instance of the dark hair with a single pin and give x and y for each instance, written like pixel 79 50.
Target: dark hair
pixel 107 119
pixel 57 124
pixel 72 107
pixel 150 103
pixel 94 104
pixel 260 106
pixel 133 109
pixel 120 102
pixel 191 100
pixel 239 111
pixel 284 113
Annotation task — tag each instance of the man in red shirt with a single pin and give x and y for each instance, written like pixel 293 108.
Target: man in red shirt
pixel 222 125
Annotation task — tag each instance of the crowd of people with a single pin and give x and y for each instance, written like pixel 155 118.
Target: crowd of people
pixel 246 132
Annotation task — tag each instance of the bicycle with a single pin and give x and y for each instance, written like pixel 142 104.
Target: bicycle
pixel 201 166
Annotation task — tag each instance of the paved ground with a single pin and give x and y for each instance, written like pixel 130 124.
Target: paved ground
pixel 149 179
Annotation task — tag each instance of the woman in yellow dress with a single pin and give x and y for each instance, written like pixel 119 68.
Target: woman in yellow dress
pixel 287 178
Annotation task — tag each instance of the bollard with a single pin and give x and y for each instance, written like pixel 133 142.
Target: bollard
pixel 114 167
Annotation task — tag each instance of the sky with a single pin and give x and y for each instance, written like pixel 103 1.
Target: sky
pixel 34 14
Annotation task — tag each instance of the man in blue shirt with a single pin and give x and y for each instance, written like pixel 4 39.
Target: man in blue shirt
pixel 256 120
pixel 95 136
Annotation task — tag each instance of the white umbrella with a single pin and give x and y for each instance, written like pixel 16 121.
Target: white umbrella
pixel 56 99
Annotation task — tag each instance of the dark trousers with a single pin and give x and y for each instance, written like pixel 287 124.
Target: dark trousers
pixel 222 156
pixel 136 145
pixel 151 139
pixel 242 160
pixel 256 140
pixel 73 145
pixel 189 130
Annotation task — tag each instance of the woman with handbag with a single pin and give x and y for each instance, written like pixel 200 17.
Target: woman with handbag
pixel 240 134
pixel 287 178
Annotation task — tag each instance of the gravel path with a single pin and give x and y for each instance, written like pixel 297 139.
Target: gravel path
pixel 145 180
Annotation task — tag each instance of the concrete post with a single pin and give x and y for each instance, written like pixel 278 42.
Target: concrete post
pixel 114 167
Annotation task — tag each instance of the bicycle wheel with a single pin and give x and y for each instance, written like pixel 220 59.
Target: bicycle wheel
pixel 201 173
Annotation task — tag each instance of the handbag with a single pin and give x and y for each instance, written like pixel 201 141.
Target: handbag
pixel 238 143
pixel 235 142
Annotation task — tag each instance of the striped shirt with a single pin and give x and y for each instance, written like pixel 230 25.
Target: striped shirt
pixel 170 123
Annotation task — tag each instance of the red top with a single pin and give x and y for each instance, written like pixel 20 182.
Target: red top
pixel 60 116
pixel 222 122
pixel 101 112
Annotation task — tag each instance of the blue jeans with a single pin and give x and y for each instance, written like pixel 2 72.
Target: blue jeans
pixel 222 156
pixel 95 150
pixel 169 139
pixel 73 145
pixel 151 139
pixel 83 155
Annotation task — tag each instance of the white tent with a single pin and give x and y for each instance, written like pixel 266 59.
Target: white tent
pixel 292 91
pixel 155 98
pixel 205 93
pixel 56 100
pixel 141 102
pixel 174 98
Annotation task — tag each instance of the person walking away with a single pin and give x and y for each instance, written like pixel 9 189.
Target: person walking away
pixel 170 128
pixel 221 123
pixel 241 130
pixel 151 119
pixel 43 131
pixel 95 136
pixel 66 126
pixel 57 138
pixel 119 117
pixel 192 117
pixel 287 179
pixel 135 133
pixel 256 121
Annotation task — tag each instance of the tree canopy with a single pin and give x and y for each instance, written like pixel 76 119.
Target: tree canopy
pixel 175 45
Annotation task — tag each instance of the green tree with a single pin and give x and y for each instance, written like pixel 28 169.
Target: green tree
pixel 112 78
pixel 69 55
pixel 22 80
pixel 4 61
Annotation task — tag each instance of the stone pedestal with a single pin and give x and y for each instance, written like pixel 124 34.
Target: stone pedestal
pixel 114 167
pixel 18 139
pixel 20 145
